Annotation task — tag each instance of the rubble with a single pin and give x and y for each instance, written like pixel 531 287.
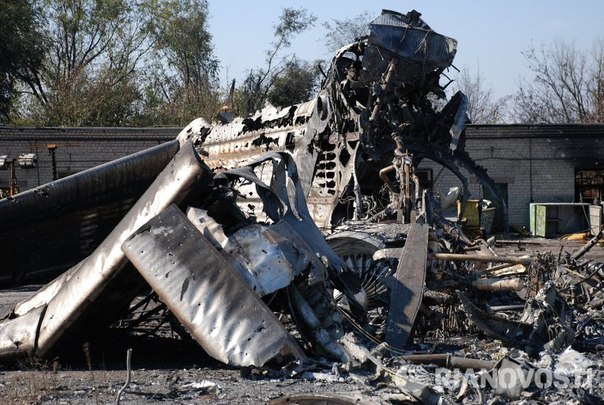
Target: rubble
pixel 301 240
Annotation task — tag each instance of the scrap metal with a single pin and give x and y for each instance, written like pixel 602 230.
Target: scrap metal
pixel 193 279
pixel 407 288
pixel 300 236
pixel 75 294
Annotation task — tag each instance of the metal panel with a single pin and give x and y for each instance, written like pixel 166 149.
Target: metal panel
pixel 595 218
pixel 78 294
pixel 203 291
pixel 407 291
pixel 19 335
pixel 540 220
pixel 50 228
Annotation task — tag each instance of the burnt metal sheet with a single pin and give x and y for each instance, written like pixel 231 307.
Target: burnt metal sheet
pixel 196 130
pixel 263 256
pixel 546 323
pixel 46 293
pixel 260 250
pixel 407 291
pixel 408 37
pixel 75 300
pixel 48 229
pixel 285 204
pixel 19 336
pixel 203 291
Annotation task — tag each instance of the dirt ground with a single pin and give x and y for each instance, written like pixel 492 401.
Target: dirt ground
pixel 174 371
pixel 167 371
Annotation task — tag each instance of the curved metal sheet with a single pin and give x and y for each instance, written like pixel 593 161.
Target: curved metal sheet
pixel 207 296
pixel 72 301
pixel 18 336
pixel 50 228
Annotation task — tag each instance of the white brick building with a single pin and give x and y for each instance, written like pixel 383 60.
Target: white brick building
pixel 530 163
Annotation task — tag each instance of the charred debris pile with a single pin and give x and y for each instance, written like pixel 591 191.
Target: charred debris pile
pixel 303 239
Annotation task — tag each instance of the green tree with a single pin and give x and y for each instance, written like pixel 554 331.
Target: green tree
pixel 298 82
pixel 21 50
pixel 254 91
pixel 183 82
pixel 89 72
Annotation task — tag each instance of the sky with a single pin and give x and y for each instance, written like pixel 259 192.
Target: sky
pixel 492 35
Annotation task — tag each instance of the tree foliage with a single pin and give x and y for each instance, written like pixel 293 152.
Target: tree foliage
pixel 88 76
pixel 568 85
pixel 110 62
pixel 21 50
pixel 183 83
pixel 298 83
pixel 254 91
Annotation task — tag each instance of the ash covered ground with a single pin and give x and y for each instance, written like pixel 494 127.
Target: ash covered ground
pixel 173 370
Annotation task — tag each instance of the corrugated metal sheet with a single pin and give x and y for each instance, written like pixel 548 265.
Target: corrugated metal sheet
pixel 207 296
pixel 72 301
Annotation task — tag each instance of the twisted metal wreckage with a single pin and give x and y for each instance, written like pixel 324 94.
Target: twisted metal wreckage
pixel 225 244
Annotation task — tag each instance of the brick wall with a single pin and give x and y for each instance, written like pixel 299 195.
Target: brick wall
pixel 77 148
pixel 535 162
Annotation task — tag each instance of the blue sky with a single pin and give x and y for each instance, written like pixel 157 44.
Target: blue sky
pixel 491 35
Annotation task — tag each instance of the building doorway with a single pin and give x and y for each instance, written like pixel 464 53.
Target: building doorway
pixel 502 190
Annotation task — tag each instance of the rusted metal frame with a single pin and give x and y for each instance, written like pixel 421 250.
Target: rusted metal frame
pixel 407 290
pixel 226 317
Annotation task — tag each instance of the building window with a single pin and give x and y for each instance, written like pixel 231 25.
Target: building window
pixel 589 185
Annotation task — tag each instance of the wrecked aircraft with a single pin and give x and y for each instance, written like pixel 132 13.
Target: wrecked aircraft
pixel 315 212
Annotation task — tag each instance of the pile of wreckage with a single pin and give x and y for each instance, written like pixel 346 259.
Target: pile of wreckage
pixel 302 237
